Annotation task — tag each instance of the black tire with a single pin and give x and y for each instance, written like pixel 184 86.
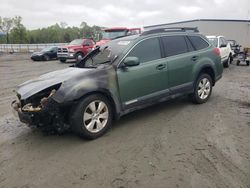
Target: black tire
pixel 231 59
pixel 238 62
pixel 78 113
pixel 195 96
pixel 79 56
pixel 62 60
pixel 226 63
pixel 247 63
pixel 46 58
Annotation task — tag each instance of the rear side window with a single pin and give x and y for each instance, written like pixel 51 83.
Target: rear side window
pixel 147 50
pixel 174 45
pixel 198 42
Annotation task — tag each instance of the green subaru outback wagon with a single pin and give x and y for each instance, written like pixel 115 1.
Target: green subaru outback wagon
pixel 119 77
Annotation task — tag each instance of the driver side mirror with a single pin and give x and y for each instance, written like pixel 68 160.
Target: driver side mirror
pixel 131 61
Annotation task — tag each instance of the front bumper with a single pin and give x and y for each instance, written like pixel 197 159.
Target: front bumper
pixel 49 118
pixel 68 55
pixel 37 58
pixel 24 117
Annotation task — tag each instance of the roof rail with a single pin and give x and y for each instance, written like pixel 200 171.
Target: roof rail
pixel 170 29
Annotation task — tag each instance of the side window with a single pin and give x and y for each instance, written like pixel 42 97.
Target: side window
pixel 220 41
pixel 189 45
pixel 174 45
pixel 87 42
pixel 198 42
pixel 147 50
pixel 224 41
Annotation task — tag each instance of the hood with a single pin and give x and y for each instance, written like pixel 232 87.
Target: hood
pixel 103 41
pixel 36 85
pixel 72 46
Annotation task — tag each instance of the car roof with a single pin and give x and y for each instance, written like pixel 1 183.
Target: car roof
pixel 127 38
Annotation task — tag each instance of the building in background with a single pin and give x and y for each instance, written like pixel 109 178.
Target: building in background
pixel 238 30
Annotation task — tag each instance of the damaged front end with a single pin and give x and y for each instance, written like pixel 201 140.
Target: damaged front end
pixel 41 110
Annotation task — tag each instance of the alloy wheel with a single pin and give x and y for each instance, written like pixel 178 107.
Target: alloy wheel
pixel 204 88
pixel 95 116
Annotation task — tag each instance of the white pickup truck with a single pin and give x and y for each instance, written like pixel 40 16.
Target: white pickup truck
pixel 224 47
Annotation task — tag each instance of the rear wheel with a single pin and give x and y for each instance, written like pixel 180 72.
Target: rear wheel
pixel 62 60
pixel 46 58
pixel 247 63
pixel 203 89
pixel 231 59
pixel 238 62
pixel 92 117
pixel 227 62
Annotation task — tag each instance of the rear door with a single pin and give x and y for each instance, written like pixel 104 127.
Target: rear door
pixel 179 61
pixel 146 80
pixel 224 50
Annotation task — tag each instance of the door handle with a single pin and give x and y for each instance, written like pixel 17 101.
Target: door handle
pixel 161 66
pixel 194 58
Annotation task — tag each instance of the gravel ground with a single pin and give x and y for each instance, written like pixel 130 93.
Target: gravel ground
pixel 173 144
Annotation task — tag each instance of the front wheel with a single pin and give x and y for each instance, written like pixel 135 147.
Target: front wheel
pixel 79 57
pixel 92 117
pixel 203 89
pixel 62 60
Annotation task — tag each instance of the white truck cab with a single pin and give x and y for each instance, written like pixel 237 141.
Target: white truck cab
pixel 225 49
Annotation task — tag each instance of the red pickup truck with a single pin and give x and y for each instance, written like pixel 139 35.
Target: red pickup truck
pixel 109 34
pixel 76 49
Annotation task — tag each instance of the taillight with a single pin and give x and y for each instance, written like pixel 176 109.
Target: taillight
pixel 217 51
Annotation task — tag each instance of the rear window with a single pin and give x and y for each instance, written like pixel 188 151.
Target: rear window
pixel 174 45
pixel 214 41
pixel 198 42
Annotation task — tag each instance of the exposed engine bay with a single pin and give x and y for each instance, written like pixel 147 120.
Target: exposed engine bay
pixel 40 110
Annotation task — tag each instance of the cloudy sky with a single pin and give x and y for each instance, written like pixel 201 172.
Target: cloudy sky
pixel 42 13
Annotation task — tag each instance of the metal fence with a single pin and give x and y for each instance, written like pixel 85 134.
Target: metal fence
pixel 26 47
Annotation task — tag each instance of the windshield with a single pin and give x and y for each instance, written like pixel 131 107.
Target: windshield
pixel 113 34
pixel 76 42
pixel 47 49
pixel 214 41
pixel 106 53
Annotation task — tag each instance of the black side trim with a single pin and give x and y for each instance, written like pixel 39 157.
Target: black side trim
pixel 183 88
pixel 157 97
pixel 147 99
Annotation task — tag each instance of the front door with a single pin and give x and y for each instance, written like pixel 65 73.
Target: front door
pixel 147 79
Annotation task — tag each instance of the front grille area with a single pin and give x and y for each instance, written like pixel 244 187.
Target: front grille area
pixel 62 50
